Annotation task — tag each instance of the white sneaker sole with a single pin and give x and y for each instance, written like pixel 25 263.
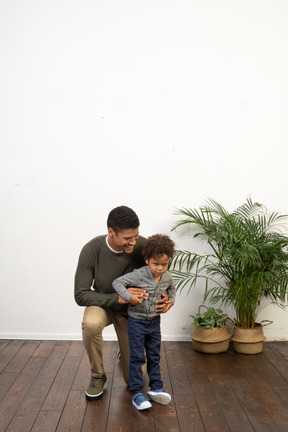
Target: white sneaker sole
pixel 143 406
pixel 162 398
pixel 92 398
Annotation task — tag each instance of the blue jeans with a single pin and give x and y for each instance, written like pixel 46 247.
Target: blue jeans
pixel 144 335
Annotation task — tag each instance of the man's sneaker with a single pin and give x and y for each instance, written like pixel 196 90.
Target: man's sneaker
pixel 95 389
pixel 140 402
pixel 159 396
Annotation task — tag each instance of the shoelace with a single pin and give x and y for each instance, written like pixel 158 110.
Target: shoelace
pixel 139 399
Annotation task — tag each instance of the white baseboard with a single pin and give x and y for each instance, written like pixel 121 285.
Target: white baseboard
pixel 54 336
pixel 40 336
pixel 107 337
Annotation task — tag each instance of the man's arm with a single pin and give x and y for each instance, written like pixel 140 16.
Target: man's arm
pixel 84 276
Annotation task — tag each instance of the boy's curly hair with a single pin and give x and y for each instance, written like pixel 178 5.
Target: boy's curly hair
pixel 158 244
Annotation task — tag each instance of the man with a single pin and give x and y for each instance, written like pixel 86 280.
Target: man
pixel 102 260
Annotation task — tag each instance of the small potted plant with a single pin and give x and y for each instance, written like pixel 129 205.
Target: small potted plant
pixel 211 335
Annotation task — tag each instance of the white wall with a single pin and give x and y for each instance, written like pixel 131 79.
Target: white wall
pixel 154 104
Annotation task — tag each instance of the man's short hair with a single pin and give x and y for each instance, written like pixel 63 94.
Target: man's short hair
pixel 121 218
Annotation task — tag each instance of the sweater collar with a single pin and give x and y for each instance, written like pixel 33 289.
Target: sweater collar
pixel 118 252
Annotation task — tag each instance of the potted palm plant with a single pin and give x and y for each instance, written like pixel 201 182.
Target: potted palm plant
pixel 247 262
pixel 211 335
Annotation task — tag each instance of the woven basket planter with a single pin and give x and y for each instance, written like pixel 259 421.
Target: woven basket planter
pixel 249 340
pixel 211 341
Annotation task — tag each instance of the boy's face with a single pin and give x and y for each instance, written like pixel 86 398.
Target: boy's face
pixel 123 240
pixel 158 265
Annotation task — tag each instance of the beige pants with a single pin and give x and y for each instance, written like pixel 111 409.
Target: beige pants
pixel 95 319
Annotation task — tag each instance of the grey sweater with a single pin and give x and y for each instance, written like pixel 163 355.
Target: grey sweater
pixel 143 278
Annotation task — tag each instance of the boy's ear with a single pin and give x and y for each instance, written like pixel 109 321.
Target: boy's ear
pixel 147 261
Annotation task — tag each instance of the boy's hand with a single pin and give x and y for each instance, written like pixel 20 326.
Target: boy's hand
pixel 140 293
pixel 135 300
pixel 163 305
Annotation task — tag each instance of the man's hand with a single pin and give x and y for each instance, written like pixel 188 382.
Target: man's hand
pixel 163 305
pixel 167 306
pixel 140 293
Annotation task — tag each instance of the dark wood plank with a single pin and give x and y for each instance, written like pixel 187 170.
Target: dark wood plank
pixel 188 414
pixel 273 405
pixel 82 376
pixel 7 354
pixel 44 349
pixel 280 347
pixel 72 416
pixel 17 392
pixel 227 399
pixel 119 418
pixel 142 420
pixel 209 408
pixel 187 410
pixel 97 413
pixel 166 418
pixel 51 411
pixel 57 395
pixel 277 359
pixel 22 356
pixel 32 403
pixel 46 421
pixel 178 374
pixel 3 343
pixel 6 380
pixel 249 390
pixel 43 383
pixel 273 378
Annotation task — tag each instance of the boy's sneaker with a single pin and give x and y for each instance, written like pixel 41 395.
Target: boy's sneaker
pixel 159 396
pixel 95 389
pixel 140 402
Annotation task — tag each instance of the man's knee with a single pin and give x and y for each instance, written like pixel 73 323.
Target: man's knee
pixel 95 319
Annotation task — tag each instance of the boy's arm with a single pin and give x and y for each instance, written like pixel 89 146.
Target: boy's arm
pixel 120 287
pixel 126 287
pixel 171 291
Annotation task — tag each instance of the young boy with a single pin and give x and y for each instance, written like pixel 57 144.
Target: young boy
pixel 143 321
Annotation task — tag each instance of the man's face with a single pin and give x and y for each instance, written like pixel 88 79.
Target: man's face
pixel 123 240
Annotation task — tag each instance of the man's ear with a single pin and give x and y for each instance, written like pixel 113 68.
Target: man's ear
pixel 111 232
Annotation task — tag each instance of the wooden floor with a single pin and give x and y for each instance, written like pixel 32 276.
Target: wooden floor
pixel 43 383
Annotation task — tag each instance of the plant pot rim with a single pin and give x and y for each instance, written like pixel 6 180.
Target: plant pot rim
pixel 210 335
pixel 257 325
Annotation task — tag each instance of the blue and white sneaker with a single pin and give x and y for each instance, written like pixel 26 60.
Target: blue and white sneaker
pixel 159 396
pixel 140 402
